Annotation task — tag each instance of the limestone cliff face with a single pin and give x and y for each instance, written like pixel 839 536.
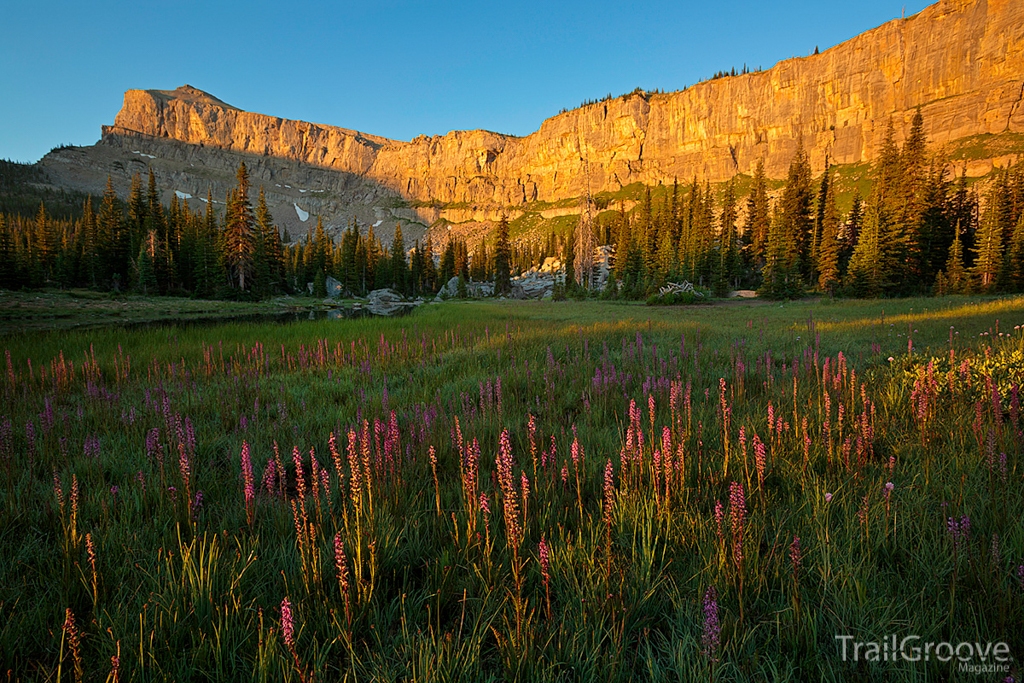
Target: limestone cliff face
pixel 960 61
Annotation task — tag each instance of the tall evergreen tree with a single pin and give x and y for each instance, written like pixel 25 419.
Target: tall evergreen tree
pixel 239 238
pixel 399 265
pixel 1016 260
pixel 797 214
pixel 758 224
pixel 502 261
pixel 827 256
pixel 988 247
pixel 866 276
pixel 8 257
pixel 570 261
pixel 114 238
pixel 728 262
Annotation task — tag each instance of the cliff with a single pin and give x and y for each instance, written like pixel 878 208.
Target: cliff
pixel 960 61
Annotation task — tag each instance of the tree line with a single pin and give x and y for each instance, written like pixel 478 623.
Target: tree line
pixel 918 231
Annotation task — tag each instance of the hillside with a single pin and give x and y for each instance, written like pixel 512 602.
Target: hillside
pixel 960 61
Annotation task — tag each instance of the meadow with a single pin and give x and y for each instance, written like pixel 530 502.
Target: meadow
pixel 503 491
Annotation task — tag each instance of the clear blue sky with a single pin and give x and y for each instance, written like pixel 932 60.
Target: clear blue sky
pixel 389 67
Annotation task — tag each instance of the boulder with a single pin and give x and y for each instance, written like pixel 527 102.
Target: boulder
pixel 388 302
pixel 334 288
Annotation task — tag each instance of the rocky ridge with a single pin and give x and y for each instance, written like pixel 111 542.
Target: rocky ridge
pixel 960 61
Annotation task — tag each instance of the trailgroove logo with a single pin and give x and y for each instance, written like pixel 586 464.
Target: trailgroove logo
pixel 977 658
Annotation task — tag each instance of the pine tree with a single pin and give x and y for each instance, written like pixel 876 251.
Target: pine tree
pixel 827 257
pixel 570 261
pixel 1016 259
pixel 758 224
pixel 502 261
pixel 797 214
pixel 935 231
pixel 114 238
pixel 988 247
pixel 954 279
pixel 866 276
pixel 447 262
pixel 208 251
pixel 399 265
pixel 910 204
pixel 45 243
pixel 145 272
pixel 239 238
pixel 8 257
pixel 136 227
pixel 781 279
pixel 728 262
pixel 430 279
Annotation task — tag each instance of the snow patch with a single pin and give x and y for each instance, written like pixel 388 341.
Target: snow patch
pixel 182 195
pixel 303 215
pixel 377 224
pixel 288 186
pixel 150 156
pixel 301 190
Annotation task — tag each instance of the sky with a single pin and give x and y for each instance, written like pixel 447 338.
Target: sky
pixel 396 68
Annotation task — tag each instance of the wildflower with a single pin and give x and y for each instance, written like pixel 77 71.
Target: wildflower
pixel 513 530
pixel 545 560
pixel 759 459
pixel 247 479
pixel 719 518
pixel 795 555
pixel 959 530
pixel 74 640
pixel 153 450
pixel 828 497
pixel 738 516
pixel 197 506
pixel 609 493
pixel 287 624
pixel 712 626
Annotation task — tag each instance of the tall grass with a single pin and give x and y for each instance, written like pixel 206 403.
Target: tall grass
pixel 514 492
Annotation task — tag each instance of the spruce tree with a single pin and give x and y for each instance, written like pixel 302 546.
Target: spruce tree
pixel 910 204
pixel 954 279
pixel 797 215
pixel 8 257
pixel 866 276
pixel 727 242
pixel 430 279
pixel 827 257
pixel 1016 260
pixel 758 224
pixel 399 265
pixel 780 275
pixel 570 261
pixel 45 243
pixel 502 261
pixel 113 245
pixel 239 238
pixel 988 247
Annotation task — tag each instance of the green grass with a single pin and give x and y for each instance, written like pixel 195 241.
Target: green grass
pixel 436 588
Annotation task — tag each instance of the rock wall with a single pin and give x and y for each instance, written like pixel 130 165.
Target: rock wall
pixel 960 61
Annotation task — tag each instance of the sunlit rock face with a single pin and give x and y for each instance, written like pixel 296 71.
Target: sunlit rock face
pixel 960 61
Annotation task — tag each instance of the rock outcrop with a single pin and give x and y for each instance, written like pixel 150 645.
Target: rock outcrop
pixel 960 61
